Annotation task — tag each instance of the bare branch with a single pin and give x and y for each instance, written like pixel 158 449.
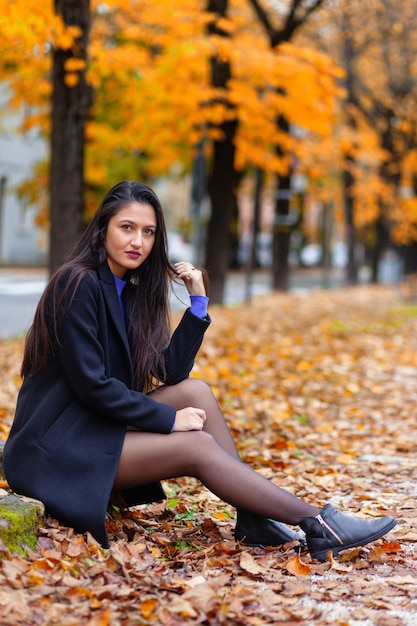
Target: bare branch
pixel 292 21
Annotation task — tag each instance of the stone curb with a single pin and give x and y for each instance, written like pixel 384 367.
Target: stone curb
pixel 20 519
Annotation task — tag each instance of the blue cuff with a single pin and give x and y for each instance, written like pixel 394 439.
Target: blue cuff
pixel 199 306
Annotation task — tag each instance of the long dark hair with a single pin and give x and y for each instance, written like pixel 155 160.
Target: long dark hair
pixel 145 294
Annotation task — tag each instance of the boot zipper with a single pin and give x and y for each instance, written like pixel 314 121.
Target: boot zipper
pixel 323 523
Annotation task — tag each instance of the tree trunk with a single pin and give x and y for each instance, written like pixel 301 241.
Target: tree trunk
pixel 70 108
pixel 352 266
pixel 253 257
pixel 222 178
pixel 347 174
pixel 222 192
pixel 326 238
pixel 198 196
pixel 390 175
pixel 282 227
pixel 381 241
pixel 296 15
pixel 282 234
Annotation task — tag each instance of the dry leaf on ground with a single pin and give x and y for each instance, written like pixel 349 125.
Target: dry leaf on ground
pixel 320 393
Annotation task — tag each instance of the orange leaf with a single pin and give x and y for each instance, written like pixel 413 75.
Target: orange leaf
pixel 71 79
pixel 74 64
pixel 379 554
pixel 297 567
pixel 221 515
pixel 147 607
pixel 35 579
pixel 390 546
pixel 101 619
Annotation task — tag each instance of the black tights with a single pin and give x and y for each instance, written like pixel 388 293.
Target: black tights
pixel 209 455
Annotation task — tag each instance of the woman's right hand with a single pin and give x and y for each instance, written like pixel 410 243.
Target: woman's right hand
pixel 189 418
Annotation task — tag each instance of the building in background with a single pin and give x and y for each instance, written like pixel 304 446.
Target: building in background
pixel 22 242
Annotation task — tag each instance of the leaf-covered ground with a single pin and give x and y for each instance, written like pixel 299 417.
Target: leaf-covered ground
pixel 320 392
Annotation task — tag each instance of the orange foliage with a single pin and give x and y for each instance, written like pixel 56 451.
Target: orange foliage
pixel 379 125
pixel 149 66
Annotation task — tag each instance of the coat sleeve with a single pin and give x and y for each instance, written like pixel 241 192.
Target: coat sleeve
pixel 85 359
pixel 183 347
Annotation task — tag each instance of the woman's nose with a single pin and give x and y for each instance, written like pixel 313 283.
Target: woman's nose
pixel 137 240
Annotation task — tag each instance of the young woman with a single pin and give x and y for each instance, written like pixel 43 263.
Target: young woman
pixel 107 409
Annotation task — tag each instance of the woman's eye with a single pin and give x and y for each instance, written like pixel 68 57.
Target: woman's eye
pixel 126 227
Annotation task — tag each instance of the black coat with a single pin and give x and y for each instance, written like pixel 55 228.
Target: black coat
pixel 66 439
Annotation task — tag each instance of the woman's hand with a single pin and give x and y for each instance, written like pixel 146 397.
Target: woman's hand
pixel 189 418
pixel 192 277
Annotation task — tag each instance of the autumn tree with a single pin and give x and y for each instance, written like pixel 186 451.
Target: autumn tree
pixel 71 101
pixel 386 98
pixel 348 161
pixel 136 55
pixel 155 98
pixel 175 95
pixel 223 176
pixel 378 130
pixel 248 132
pixel 291 19
pixel 25 66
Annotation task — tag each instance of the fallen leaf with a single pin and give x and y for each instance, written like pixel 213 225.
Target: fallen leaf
pixel 249 564
pixel 297 567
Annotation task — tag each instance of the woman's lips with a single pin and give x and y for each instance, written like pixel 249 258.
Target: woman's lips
pixel 133 255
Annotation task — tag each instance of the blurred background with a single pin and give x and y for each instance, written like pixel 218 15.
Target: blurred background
pixel 279 135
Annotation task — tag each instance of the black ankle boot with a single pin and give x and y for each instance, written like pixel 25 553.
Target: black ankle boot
pixel 256 530
pixel 331 530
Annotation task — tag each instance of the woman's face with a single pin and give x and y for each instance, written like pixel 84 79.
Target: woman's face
pixel 130 237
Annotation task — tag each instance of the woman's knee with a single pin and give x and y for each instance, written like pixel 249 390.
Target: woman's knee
pixel 189 392
pixel 195 387
pixel 199 450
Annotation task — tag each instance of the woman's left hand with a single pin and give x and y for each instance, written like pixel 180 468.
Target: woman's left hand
pixel 192 277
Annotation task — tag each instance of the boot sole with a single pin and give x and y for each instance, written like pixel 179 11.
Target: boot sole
pixel 301 547
pixel 322 555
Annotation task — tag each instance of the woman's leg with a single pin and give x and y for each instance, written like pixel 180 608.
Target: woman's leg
pixel 250 528
pixel 194 392
pixel 148 457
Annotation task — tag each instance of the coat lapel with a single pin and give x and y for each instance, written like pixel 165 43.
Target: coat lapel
pixel 111 298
